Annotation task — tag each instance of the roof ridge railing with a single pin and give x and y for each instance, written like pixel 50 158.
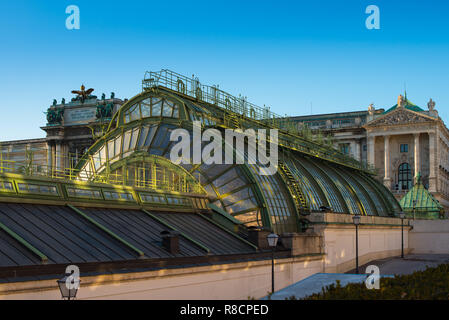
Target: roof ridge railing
pixel 215 96
pixel 210 94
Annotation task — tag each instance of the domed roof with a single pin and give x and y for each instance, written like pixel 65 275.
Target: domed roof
pixel 421 201
pixel 407 105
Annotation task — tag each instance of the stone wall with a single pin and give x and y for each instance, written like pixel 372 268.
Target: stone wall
pixel 379 237
pixel 243 280
pixel 430 236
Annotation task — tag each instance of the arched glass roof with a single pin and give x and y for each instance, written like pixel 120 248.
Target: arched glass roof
pixel 143 126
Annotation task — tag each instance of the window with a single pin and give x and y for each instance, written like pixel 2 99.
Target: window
pixel 178 201
pixel 364 147
pixel 168 109
pixel 112 195
pixel 83 193
pixel 145 109
pixel 152 107
pixel 342 122
pixel 156 110
pixel 152 198
pixel 37 188
pixel 6 186
pixel 405 176
pixel 404 147
pixel 344 148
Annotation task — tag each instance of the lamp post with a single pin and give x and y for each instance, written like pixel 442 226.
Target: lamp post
pixel 68 286
pixel 272 242
pixel 414 209
pixel 356 220
pixel 402 216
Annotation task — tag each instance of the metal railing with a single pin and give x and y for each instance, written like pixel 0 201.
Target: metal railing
pixel 210 94
pixel 64 168
pixel 157 182
pixel 34 162
pixel 215 96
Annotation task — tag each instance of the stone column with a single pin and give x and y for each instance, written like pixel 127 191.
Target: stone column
pixel 371 140
pixel 58 157
pixel 417 159
pixel 53 158
pixel 432 162
pixel 64 162
pixel 49 158
pixel 352 149
pixel 437 161
pixel 357 154
pixel 387 179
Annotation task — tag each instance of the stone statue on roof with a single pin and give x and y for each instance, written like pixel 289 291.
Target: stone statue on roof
pixel 431 105
pixel 371 109
pixel 83 94
pixel 54 116
pixel 401 101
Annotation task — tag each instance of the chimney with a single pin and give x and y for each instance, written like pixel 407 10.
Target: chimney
pixel 258 237
pixel 170 241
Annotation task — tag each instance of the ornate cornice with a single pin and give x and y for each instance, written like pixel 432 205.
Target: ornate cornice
pixel 400 116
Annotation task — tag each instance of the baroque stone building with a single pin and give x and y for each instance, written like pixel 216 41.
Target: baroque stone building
pixel 71 128
pixel 401 142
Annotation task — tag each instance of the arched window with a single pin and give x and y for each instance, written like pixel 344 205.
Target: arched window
pixel 405 176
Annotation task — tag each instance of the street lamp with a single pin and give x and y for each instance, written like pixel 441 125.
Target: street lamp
pixel 414 208
pixel 272 242
pixel 68 286
pixel 402 216
pixel 356 220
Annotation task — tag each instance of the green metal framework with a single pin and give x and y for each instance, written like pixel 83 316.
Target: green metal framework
pixel 129 165
pixel 28 189
pixel 229 111
pixel 310 176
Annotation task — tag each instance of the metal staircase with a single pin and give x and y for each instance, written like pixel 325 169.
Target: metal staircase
pixel 299 199
pixel 231 120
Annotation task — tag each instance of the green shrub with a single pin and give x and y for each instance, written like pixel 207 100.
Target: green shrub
pixel 430 284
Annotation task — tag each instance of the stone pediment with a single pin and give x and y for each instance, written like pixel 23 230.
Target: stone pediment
pixel 400 116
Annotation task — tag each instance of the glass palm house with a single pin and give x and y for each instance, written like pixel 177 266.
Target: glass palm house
pixel 135 151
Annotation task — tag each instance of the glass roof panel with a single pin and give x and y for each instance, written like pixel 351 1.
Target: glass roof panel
pixel 328 189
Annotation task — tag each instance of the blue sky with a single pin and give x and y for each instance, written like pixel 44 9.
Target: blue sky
pixel 285 54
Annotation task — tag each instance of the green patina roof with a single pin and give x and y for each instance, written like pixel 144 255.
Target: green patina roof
pixel 424 199
pixel 408 105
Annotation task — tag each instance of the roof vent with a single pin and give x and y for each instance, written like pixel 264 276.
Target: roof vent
pixel 258 236
pixel 325 209
pixel 170 241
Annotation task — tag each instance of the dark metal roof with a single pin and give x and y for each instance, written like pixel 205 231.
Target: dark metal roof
pixel 142 231
pixel 12 253
pixel 30 233
pixel 62 235
pixel 212 236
